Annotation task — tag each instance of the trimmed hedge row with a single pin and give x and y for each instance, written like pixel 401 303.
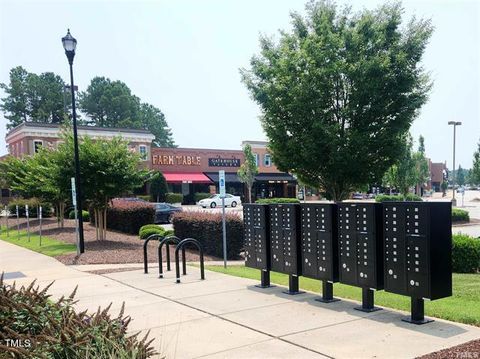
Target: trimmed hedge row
pixel 207 229
pixel 174 198
pixel 465 254
pixel 32 203
pixel 397 197
pixel 460 215
pixel 128 217
pixel 149 229
pixel 277 200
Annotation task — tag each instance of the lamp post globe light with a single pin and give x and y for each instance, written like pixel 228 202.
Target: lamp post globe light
pixel 70 44
pixel 454 124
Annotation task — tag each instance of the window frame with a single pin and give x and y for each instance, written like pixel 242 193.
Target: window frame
pixel 140 152
pixel 34 147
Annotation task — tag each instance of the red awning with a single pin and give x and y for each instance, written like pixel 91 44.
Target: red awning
pixel 187 178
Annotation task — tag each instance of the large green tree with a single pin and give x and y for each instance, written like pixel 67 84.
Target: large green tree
pixel 339 93
pixel 110 103
pixel 33 98
pixel 460 176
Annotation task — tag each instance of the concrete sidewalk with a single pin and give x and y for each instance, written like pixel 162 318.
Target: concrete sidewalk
pixel 228 317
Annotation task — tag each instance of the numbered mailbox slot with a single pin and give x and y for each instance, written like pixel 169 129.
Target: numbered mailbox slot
pixel 256 234
pixel 416 219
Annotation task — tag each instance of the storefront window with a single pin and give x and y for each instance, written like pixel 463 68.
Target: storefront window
pixel 257 160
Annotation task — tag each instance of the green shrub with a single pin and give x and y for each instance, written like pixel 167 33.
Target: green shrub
pixel 465 254
pixel 207 229
pixel 397 198
pixel 128 217
pixel 144 197
pixel 276 200
pixel 85 215
pixel 201 195
pixel 460 215
pixel 149 229
pixel 174 198
pixel 33 204
pixel 57 330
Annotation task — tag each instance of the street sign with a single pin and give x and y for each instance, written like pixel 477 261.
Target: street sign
pixel 74 192
pixel 221 183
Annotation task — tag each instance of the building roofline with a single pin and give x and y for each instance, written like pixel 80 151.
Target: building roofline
pixel 81 127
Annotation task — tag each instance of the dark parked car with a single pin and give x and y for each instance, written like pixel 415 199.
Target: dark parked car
pixel 164 212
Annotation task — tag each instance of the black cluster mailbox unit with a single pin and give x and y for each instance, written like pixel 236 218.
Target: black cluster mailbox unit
pixel 320 246
pixel 285 242
pixel 256 219
pixel 361 249
pixel 418 247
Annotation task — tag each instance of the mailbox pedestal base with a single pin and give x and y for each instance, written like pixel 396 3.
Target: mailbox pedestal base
pixel 367 301
pixel 327 293
pixel 417 313
pixel 264 279
pixel 293 288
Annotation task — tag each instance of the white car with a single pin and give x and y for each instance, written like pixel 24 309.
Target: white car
pixel 215 200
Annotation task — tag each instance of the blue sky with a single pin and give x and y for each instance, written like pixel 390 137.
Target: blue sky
pixel 184 56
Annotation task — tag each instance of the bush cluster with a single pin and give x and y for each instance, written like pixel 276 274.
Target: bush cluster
pixel 57 330
pixel 276 200
pixel 85 215
pixel 128 217
pixel 207 229
pixel 144 197
pixel 465 254
pixel 174 198
pixel 32 203
pixel 149 229
pixel 460 215
pixel 201 195
pixel 398 197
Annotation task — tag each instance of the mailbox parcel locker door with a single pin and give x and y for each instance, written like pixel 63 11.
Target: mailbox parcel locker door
pixel 285 238
pixel 418 281
pixel 348 257
pixel 319 247
pixel 360 254
pixel 394 216
pixel 256 236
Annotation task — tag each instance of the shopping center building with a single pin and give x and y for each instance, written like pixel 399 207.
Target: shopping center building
pixel 187 170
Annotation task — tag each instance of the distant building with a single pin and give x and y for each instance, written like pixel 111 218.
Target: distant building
pixel 187 170
pixel 438 172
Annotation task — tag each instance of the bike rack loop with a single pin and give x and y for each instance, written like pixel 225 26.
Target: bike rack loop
pixel 181 245
pixel 167 241
pixel 145 255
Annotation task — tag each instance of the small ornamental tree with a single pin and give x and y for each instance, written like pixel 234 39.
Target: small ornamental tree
pixel 339 93
pixel 158 187
pixel 475 171
pixel 422 172
pixel 248 170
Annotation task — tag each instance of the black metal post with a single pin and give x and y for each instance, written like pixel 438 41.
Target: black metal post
pixel 168 257
pixel 184 261
pixel 367 301
pixel 417 315
pixel 327 293
pixel 293 287
pixel 264 279
pixel 70 56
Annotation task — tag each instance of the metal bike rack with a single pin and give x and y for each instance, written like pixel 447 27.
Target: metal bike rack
pixel 181 246
pixel 145 254
pixel 167 241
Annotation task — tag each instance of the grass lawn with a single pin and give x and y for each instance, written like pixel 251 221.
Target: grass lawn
pixel 463 306
pixel 49 247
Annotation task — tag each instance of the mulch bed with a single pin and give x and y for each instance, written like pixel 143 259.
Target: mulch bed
pixel 117 248
pixel 469 350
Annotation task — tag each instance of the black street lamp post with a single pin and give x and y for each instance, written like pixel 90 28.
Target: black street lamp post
pixel 69 44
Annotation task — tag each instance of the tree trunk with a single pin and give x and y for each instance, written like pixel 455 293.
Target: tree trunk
pixel 105 224
pixel 95 215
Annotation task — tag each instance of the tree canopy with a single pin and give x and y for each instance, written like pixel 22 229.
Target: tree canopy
pixel 105 103
pixel 339 92
pixel 34 98
pixel 110 103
